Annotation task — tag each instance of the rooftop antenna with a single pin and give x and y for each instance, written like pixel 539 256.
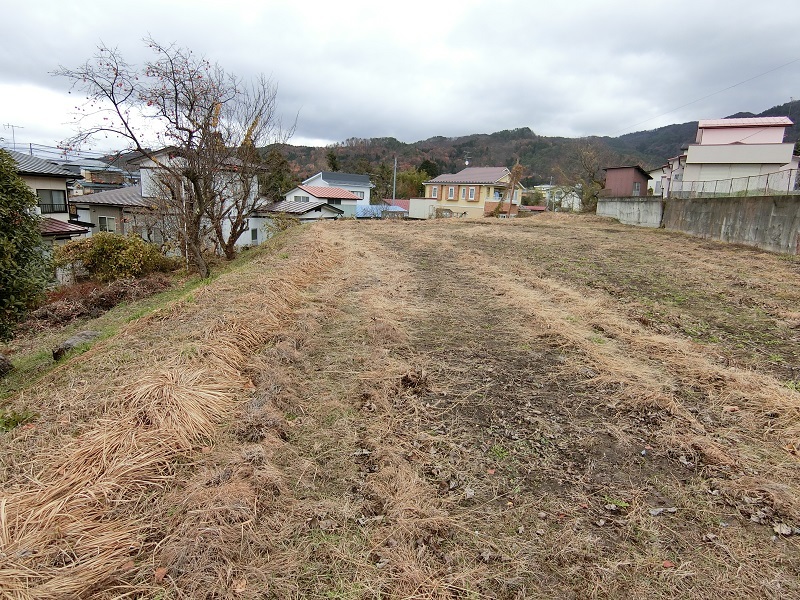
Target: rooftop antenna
pixel 13 129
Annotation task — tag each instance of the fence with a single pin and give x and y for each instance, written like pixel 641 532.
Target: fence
pixel 781 183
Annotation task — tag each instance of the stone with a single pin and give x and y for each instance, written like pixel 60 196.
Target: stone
pixel 76 340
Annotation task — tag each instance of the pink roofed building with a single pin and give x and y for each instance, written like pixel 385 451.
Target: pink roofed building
pixel 733 148
pixel 343 199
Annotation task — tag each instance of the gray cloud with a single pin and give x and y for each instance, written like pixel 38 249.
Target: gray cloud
pixel 412 71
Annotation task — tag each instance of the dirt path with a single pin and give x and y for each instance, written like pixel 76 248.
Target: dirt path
pixel 555 408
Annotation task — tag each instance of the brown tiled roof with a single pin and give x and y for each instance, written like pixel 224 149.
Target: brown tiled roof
pixel 404 204
pixel 484 175
pixel 328 192
pixel 53 227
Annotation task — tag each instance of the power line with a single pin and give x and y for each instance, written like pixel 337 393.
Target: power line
pixel 730 87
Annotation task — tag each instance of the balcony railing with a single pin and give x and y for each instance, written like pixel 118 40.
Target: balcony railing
pixel 780 183
pixel 52 208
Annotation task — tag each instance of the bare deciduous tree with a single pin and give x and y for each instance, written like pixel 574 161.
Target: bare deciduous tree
pixel 207 125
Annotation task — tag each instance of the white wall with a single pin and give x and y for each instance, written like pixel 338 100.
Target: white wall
pixel 743 135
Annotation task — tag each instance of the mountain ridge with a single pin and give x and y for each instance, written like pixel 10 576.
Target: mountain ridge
pixel 545 158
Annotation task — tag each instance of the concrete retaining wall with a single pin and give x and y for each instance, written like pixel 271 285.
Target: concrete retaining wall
pixel 645 211
pixel 770 222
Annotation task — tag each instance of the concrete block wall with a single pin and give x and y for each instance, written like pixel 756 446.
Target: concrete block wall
pixel 767 222
pixel 644 211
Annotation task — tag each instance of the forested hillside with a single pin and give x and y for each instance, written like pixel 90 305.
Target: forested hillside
pixel 557 159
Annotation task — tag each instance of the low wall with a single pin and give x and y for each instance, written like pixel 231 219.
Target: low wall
pixel 645 211
pixel 768 222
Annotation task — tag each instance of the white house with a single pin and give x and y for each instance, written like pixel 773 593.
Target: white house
pixel 359 185
pixel 50 183
pixel 560 197
pixel 348 202
pixel 727 150
pixel 227 179
pixel 305 211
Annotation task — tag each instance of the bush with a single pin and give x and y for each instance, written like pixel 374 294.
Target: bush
pixel 109 257
pixel 24 260
pixel 280 222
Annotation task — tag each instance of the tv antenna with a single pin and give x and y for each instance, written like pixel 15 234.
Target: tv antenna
pixel 13 129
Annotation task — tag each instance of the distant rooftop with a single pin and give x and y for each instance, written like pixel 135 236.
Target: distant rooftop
pixel 337 178
pixel 124 196
pixel 297 208
pixel 319 191
pixel 473 175
pixel 746 122
pixel 33 165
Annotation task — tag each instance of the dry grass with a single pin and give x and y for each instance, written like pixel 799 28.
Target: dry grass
pixel 411 411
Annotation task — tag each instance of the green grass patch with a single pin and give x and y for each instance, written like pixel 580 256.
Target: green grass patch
pixel 11 419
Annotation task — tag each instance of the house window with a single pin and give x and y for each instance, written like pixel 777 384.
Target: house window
pixel 337 201
pixel 107 224
pixel 52 201
pixel 472 193
pixel 435 191
pixel 463 193
pixel 451 192
pixel 302 199
pixel 254 235
pixel 637 188
pixel 359 194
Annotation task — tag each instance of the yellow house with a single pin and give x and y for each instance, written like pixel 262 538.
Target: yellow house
pixel 474 191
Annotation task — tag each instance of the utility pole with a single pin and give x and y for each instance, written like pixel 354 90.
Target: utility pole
pixel 13 129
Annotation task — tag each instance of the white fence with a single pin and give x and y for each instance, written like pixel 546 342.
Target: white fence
pixel 773 184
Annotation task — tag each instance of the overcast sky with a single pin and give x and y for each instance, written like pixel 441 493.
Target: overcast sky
pixel 417 69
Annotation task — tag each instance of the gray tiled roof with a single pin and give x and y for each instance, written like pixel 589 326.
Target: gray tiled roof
pixel 125 196
pixel 473 175
pixel 297 208
pixel 338 179
pixel 33 165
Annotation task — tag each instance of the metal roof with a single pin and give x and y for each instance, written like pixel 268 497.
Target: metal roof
pixel 637 167
pixel 338 178
pixel 33 165
pixel 473 175
pixel 747 122
pixel 297 208
pixel 53 227
pixel 124 196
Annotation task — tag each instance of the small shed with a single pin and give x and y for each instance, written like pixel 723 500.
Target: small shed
pixel 625 182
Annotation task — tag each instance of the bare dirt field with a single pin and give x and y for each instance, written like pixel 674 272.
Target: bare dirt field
pixel 553 407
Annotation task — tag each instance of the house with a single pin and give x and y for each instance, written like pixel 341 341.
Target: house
pixel 667 176
pixel 626 182
pixel 227 176
pixel 359 185
pixel 560 197
pixel 473 192
pixel 346 201
pixel 305 211
pixel 50 183
pixel 727 149
pixel 97 176
pixel 121 210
